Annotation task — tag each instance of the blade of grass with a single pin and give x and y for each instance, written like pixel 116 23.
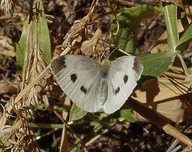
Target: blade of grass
pixel 170 12
pixel 185 39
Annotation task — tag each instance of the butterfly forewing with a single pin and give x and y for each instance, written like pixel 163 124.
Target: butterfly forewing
pixel 79 77
pixel 123 75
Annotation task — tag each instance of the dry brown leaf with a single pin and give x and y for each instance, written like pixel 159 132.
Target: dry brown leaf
pixel 80 38
pixel 4 87
pixel 7 47
pixel 89 46
pixel 95 45
pixel 189 78
pixel 164 96
pixel 77 32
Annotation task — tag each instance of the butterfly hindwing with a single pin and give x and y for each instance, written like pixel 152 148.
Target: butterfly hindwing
pixel 79 77
pixel 124 73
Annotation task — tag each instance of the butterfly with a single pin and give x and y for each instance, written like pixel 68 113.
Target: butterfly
pixel 93 86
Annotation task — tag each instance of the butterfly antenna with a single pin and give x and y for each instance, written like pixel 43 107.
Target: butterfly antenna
pixel 117 48
pixel 111 53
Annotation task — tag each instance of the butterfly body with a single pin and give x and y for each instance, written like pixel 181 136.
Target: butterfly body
pixel 92 86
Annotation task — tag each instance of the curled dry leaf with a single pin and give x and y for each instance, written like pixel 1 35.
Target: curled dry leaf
pixel 80 38
pixel 94 45
pixel 89 46
pixel 75 34
pixel 167 96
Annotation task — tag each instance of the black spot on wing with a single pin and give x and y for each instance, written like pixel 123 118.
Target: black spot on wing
pixel 125 78
pixel 137 65
pixel 117 90
pixel 83 89
pixel 73 77
pixel 58 64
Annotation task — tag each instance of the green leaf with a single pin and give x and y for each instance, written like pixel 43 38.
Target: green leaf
pixel 127 114
pixel 185 39
pixel 43 35
pixel 22 45
pixel 156 64
pixel 128 24
pixel 76 113
pixel 170 12
pixel 34 33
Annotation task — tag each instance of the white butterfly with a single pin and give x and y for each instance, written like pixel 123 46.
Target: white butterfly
pixel 92 86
